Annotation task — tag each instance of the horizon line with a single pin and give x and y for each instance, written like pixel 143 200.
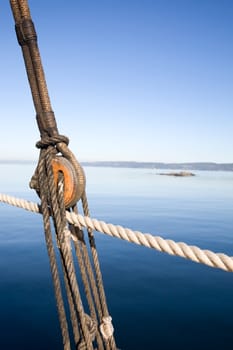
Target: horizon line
pixel 119 161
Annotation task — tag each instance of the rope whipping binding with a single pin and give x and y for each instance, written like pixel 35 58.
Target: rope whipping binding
pixel 59 180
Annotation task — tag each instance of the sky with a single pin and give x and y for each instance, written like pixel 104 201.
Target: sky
pixel 130 80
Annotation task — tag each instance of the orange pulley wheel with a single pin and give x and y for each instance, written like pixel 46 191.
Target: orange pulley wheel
pixel 71 183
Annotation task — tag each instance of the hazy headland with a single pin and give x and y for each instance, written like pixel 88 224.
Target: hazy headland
pixel 209 166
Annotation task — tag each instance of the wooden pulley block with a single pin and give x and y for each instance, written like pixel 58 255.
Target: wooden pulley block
pixel 71 180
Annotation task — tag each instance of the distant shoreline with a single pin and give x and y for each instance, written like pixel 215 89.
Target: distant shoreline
pixel 208 166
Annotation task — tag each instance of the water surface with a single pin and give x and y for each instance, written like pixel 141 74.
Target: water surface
pixel 157 301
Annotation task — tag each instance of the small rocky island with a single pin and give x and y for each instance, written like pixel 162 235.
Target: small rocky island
pixel 180 173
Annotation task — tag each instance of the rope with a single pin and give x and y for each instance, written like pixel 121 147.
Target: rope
pixel 110 341
pixel 59 218
pixel 42 181
pixel 85 328
pixel 86 274
pixel 194 253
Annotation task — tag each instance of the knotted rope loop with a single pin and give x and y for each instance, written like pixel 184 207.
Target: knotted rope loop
pixel 92 329
pixel 91 325
pixel 47 141
pixel 106 327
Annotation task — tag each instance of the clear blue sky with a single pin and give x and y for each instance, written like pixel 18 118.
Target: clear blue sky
pixel 148 80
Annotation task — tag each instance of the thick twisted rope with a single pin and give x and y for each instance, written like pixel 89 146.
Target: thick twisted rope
pixel 206 257
pixel 52 256
pixel 110 341
pixel 59 218
pixel 85 271
pixel 43 182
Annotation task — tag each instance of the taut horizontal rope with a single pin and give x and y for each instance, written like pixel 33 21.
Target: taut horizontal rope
pixel 181 249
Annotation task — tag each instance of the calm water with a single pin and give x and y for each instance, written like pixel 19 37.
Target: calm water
pixel 156 301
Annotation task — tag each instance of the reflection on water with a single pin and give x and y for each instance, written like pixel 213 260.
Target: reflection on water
pixel 157 301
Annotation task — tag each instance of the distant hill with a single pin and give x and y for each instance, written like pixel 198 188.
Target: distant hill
pixel 210 166
pixel 157 165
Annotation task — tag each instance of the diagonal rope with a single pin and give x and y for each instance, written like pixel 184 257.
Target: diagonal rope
pixel 87 276
pixel 52 257
pixel 110 341
pixel 53 203
pixel 194 253
pixel 59 218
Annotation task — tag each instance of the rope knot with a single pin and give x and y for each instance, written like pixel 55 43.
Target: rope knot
pixel 106 327
pixel 92 328
pixel 47 141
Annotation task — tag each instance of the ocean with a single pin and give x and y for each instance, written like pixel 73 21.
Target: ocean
pixel 156 301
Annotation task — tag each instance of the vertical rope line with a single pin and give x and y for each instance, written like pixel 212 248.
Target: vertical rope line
pixel 27 39
pixel 95 258
pixel 73 315
pixel 36 60
pixel 39 73
pixel 89 269
pixel 99 278
pixel 24 8
pixel 66 251
pixel 86 280
pixel 52 257
pixel 27 59
pixel 92 279
pixel 31 78
pixel 15 10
